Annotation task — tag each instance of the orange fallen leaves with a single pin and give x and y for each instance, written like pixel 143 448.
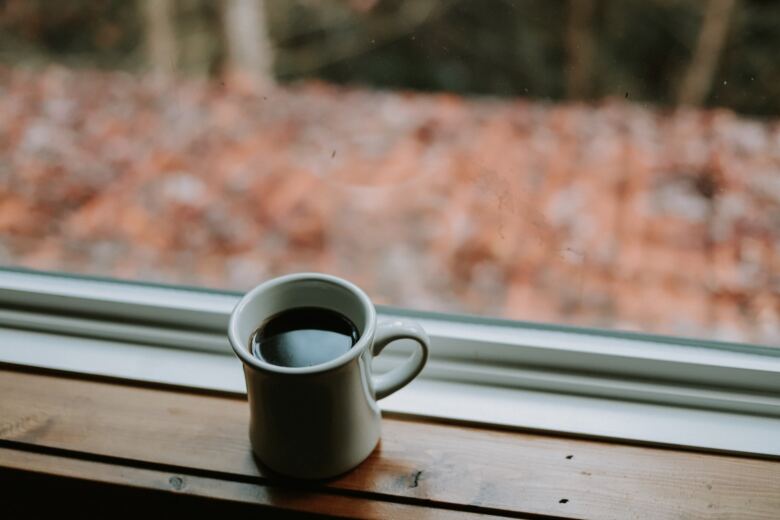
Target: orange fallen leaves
pixel 610 214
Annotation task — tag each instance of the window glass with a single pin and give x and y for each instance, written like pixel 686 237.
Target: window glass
pixel 608 163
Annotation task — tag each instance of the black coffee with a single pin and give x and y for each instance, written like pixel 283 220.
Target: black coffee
pixel 303 337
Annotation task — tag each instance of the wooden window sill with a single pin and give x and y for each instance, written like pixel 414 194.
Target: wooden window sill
pixel 195 444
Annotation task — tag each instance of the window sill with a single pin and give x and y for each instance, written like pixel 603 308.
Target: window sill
pixel 195 444
pixel 588 383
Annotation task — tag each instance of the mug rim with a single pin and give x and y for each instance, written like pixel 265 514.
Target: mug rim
pixel 248 359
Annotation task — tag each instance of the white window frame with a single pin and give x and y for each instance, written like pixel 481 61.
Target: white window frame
pixel 608 384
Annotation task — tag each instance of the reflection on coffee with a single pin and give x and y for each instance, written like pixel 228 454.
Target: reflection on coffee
pixel 303 337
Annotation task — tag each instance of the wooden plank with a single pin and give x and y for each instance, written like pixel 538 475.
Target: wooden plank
pixel 432 463
pixel 242 492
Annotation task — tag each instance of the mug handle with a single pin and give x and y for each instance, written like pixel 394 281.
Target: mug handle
pixel 403 374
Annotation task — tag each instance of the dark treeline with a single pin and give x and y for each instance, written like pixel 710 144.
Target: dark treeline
pixel 669 52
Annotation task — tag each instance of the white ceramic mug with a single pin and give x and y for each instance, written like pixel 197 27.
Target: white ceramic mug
pixel 322 420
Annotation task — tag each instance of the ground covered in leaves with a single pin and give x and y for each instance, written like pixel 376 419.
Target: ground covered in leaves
pixel 612 214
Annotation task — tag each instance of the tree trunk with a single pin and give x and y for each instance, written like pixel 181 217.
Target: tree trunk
pixel 697 83
pixel 248 41
pixel 579 48
pixel 160 35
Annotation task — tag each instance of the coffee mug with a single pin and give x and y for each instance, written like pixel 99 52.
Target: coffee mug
pixel 319 421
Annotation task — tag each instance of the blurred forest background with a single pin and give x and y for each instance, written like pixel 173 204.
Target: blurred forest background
pixel 609 163
pixel 701 52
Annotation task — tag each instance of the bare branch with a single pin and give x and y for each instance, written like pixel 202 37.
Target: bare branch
pixel 697 83
pixel 579 48
pixel 347 44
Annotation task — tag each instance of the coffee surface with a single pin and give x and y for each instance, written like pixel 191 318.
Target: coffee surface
pixel 303 337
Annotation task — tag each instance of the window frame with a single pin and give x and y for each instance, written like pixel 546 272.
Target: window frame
pixel 658 389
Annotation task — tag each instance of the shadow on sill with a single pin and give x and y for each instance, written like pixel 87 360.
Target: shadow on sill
pixel 31 495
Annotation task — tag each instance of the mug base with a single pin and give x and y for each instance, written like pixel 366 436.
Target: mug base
pixel 312 476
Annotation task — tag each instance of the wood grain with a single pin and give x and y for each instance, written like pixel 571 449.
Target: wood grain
pixel 418 463
pixel 242 492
